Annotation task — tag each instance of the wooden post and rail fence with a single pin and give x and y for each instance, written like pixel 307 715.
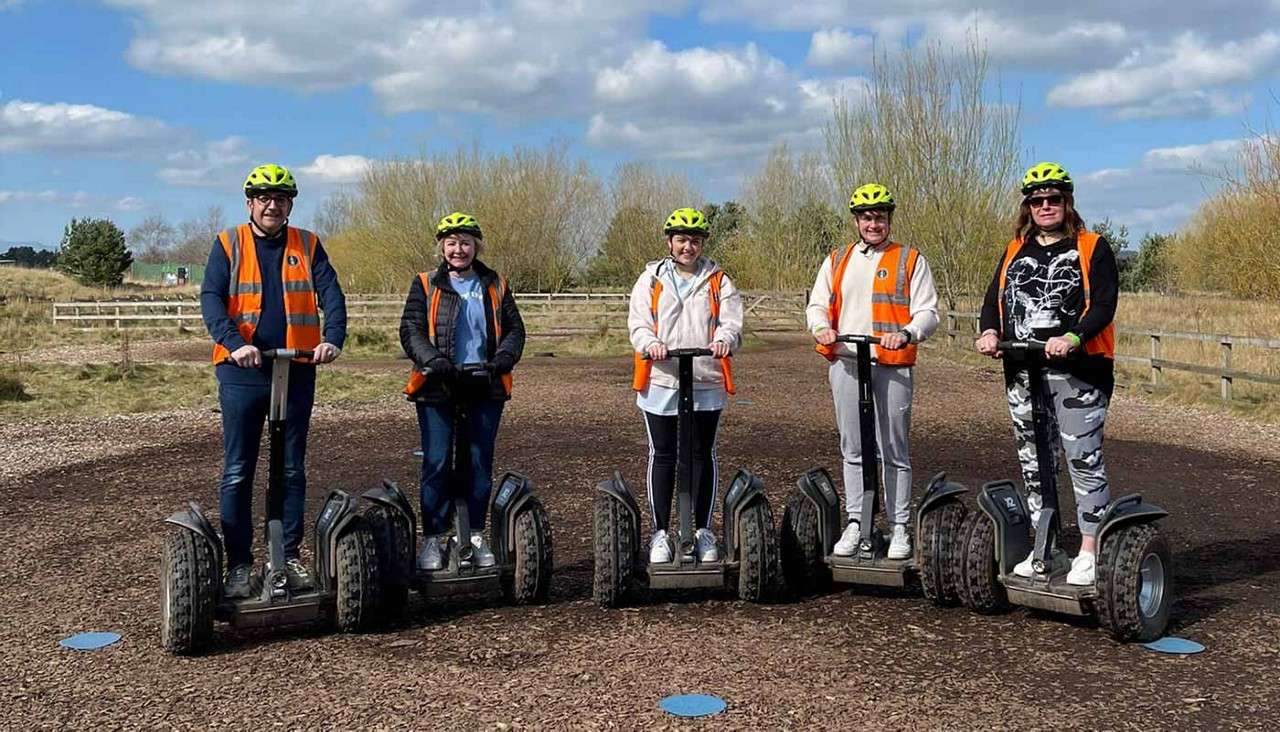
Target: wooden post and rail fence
pixel 572 314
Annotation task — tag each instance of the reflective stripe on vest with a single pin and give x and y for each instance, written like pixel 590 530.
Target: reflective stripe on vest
pixel 642 368
pixel 1102 344
pixel 244 290
pixel 496 292
pixel 890 300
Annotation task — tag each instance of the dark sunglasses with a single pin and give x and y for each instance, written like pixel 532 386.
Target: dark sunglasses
pixel 1038 201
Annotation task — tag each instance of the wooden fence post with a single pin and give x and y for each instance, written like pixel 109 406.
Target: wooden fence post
pixel 1226 368
pixel 1155 356
pixel 951 330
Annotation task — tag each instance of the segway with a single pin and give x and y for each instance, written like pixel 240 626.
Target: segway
pixel 346 569
pixel 520 531
pixel 1133 586
pixel 813 519
pixel 748 553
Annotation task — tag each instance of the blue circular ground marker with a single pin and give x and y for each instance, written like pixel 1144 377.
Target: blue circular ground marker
pixel 89 641
pixel 693 705
pixel 1174 645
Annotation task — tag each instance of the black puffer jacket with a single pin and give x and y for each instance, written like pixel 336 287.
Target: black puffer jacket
pixel 413 329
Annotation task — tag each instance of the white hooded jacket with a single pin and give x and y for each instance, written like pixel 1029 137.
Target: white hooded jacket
pixel 684 321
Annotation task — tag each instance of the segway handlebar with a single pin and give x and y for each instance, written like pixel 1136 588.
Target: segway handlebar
pixel 466 369
pixel 1026 346
pixel 287 353
pixel 858 338
pixel 678 352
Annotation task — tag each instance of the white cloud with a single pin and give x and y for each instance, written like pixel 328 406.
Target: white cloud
pixel 336 168
pixel 1188 105
pixel 82 128
pixel 1185 66
pixel 838 47
pixel 1214 154
pixel 514 57
pixel 1161 191
pixel 219 164
pixel 726 106
pixel 73 199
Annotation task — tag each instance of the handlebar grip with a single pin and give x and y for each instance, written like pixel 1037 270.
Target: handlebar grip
pixel 858 338
pixel 288 353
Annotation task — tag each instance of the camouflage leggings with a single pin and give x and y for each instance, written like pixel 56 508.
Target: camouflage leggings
pixel 1078 415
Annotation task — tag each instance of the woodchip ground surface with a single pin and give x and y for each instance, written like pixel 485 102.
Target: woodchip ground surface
pixel 83 501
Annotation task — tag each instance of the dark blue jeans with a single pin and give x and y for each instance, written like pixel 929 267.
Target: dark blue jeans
pixel 244 411
pixel 475 481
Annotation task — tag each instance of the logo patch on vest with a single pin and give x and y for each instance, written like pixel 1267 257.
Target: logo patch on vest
pixel 293 261
pixel 882 273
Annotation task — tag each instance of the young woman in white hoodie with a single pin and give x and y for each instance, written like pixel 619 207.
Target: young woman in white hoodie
pixel 683 301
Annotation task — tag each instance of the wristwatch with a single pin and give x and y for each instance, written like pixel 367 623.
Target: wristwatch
pixel 906 333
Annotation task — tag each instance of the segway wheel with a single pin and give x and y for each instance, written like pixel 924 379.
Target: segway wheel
pixel 1135 583
pixel 531 581
pixel 979 572
pixel 391 542
pixel 803 567
pixel 758 559
pixel 939 542
pixel 357 564
pixel 615 552
pixel 188 592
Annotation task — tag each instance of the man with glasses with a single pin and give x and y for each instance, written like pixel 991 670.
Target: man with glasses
pixel 874 286
pixel 264 287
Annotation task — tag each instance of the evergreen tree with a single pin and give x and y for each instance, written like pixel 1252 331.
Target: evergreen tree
pixel 93 251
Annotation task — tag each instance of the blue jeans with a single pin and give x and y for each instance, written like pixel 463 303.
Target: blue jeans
pixel 244 410
pixel 474 480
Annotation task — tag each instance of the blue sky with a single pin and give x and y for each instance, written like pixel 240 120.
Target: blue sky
pixel 128 108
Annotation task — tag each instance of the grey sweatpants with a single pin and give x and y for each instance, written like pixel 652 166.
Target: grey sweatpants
pixel 1078 414
pixel 891 387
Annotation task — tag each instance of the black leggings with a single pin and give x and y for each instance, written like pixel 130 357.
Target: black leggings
pixel 662 466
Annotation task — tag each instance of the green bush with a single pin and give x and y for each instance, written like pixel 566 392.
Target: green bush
pixel 12 389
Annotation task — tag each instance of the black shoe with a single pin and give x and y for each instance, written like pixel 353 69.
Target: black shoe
pixel 299 576
pixel 238 584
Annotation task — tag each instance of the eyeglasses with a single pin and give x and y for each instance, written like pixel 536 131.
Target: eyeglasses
pixel 1039 201
pixel 280 198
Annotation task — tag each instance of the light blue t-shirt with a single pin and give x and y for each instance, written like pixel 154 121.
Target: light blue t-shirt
pixel 469 338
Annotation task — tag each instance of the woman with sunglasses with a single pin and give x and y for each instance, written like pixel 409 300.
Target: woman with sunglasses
pixel 1057 282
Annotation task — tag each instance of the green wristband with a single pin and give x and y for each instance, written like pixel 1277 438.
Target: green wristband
pixel 1075 339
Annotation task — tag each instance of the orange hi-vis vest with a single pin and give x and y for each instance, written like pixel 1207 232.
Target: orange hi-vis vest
pixel 643 368
pixel 1104 343
pixel 244 296
pixel 496 292
pixel 890 300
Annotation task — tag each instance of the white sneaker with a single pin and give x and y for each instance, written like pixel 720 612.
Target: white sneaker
pixel 1024 567
pixel 848 543
pixel 483 555
pixel 429 558
pixel 899 543
pixel 1083 569
pixel 705 543
pixel 659 549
